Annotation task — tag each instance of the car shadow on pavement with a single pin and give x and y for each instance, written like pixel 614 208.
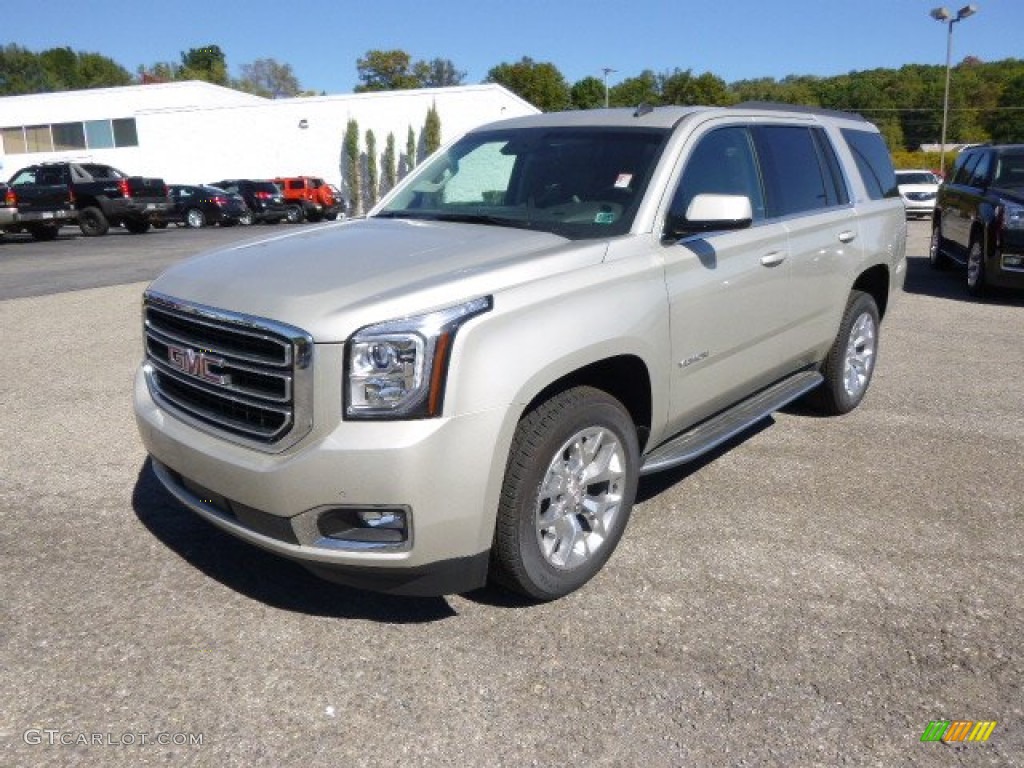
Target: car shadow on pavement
pixel 950 283
pixel 262 576
pixel 659 482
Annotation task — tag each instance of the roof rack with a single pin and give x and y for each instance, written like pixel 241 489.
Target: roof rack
pixel 801 108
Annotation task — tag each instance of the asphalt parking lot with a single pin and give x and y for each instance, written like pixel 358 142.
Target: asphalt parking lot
pixel 814 594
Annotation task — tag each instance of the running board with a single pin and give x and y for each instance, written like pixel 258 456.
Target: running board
pixel 710 434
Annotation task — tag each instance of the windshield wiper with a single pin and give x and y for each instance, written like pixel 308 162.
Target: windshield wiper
pixel 462 218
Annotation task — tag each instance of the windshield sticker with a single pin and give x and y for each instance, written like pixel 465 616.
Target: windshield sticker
pixel 604 217
pixel 623 181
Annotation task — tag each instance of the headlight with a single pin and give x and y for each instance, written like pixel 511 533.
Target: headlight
pixel 1013 216
pixel 397 369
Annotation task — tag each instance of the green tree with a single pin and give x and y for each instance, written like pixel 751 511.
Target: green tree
pixel 437 73
pixel 390 164
pixel 410 151
pixel 587 93
pixel 642 89
pixel 432 131
pixel 268 78
pixel 207 63
pixel 385 71
pixel 372 172
pixel 1007 122
pixel 681 87
pixel 540 83
pixel 350 171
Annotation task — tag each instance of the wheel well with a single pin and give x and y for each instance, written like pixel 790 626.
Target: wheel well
pixel 875 282
pixel 625 378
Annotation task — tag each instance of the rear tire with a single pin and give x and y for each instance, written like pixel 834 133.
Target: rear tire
pixel 936 258
pixel 195 218
pixel 976 285
pixel 850 362
pixel 569 487
pixel 92 222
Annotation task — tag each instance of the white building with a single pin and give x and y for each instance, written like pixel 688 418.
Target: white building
pixel 194 132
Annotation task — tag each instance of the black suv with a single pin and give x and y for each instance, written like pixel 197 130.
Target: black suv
pixel 264 199
pixel 979 218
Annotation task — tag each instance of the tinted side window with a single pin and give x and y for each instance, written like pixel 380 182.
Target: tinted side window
pixel 873 162
pixel 959 174
pixel 722 163
pixel 793 177
pixel 835 186
pixel 980 172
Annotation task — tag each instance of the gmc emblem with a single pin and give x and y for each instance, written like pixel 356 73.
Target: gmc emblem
pixel 197 364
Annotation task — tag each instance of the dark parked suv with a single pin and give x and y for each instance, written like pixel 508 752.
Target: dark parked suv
pixel 264 199
pixel 979 218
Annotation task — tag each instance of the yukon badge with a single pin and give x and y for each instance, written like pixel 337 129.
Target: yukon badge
pixel 197 364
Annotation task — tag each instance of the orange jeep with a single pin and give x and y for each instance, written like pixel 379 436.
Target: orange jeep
pixel 309 198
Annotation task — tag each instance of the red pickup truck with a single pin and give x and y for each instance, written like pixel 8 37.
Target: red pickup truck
pixel 309 198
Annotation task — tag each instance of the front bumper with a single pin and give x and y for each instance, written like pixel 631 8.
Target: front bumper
pixel 433 468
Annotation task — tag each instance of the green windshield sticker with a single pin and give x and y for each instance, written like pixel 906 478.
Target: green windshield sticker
pixel 604 217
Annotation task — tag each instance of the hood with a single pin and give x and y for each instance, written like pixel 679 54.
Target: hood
pixel 1013 194
pixel 331 280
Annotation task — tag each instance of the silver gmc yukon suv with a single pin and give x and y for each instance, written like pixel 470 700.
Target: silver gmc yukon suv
pixel 466 385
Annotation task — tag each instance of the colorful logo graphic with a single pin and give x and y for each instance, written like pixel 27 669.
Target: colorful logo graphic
pixel 958 730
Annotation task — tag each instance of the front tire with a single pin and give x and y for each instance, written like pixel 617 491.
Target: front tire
pixel 850 362
pixel 137 226
pixel 295 215
pixel 92 222
pixel 569 487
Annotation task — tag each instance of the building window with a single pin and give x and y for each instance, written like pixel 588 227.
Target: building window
pixel 38 139
pixel 14 140
pixel 125 134
pixel 98 134
pixel 68 136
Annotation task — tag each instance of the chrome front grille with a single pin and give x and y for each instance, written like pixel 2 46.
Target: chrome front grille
pixel 243 378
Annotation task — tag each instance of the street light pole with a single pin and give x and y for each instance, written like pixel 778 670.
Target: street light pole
pixel 607 71
pixel 943 15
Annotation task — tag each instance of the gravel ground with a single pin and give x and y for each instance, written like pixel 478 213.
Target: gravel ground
pixel 813 594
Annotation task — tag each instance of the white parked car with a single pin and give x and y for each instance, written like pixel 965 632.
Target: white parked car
pixel 918 190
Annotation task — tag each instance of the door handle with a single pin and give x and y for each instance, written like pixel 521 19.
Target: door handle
pixel 847 236
pixel 773 259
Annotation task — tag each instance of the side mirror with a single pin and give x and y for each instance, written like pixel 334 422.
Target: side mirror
pixel 710 213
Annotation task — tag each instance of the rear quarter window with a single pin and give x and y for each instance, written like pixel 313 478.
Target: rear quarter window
pixel 873 162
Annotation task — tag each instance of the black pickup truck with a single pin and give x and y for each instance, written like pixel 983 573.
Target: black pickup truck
pixel 36 207
pixel 103 196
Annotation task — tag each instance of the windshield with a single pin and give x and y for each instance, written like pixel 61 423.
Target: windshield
pixel 578 183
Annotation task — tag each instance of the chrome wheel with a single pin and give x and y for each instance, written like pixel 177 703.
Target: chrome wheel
pixel 580 497
pixel 195 218
pixel 860 355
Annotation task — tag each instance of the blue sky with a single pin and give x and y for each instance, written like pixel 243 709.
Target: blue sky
pixel 734 39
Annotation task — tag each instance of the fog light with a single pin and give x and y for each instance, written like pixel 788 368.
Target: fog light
pixel 376 518
pixel 363 528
